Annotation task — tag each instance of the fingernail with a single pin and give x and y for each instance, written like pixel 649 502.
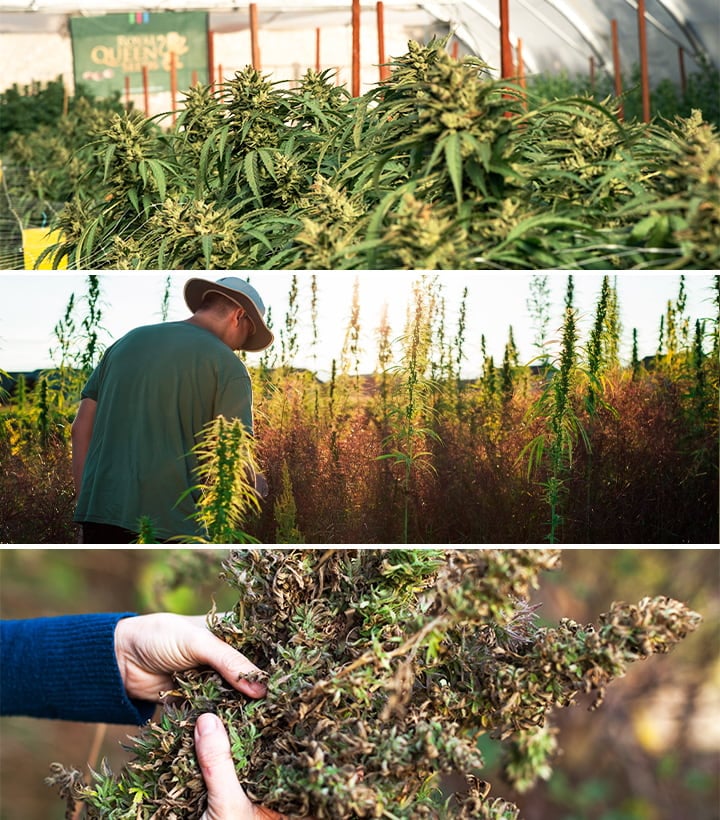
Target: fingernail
pixel 256 688
pixel 207 724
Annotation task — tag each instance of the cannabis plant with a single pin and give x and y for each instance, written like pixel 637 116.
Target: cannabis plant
pixel 383 667
pixel 438 167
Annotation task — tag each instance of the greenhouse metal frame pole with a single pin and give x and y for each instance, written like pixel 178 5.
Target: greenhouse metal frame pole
pixel 644 80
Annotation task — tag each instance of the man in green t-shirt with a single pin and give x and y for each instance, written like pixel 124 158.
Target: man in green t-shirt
pixel 154 390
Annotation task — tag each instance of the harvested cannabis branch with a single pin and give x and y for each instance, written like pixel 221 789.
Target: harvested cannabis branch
pixel 383 669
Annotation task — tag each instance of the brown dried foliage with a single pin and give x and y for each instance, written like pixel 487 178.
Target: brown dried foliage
pixel 383 669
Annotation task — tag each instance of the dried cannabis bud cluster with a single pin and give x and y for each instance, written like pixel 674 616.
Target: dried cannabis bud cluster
pixel 383 669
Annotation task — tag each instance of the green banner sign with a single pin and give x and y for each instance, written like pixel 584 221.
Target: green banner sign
pixel 110 47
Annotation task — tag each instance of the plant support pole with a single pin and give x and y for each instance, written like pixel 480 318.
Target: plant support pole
pixel 254 47
pixel 356 48
pixel 683 77
pixel 211 59
pixel 520 64
pixel 317 50
pixel 644 80
pixel 173 85
pixel 506 61
pixel 384 71
pixel 616 66
pixel 146 90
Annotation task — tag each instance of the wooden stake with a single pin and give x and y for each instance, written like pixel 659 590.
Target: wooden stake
pixel 146 90
pixel 644 79
pixel 616 66
pixel 194 80
pixel 521 72
pixel 384 70
pixel 355 48
pixel 97 742
pixel 455 50
pixel 173 85
pixel 317 50
pixel 220 74
pixel 520 64
pixel 255 48
pixel 127 92
pixel 506 61
pixel 592 73
pixel 211 59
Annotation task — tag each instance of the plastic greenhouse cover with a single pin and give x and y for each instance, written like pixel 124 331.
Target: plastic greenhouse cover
pixel 555 34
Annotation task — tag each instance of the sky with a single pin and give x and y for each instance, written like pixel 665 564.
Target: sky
pixel 31 304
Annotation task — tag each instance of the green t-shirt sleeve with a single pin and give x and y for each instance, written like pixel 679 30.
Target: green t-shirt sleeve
pixel 92 385
pixel 91 389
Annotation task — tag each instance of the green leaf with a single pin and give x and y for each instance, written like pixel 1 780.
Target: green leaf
pixel 267 160
pixel 156 168
pixel 109 154
pixel 134 201
pixel 207 245
pixel 453 157
pixel 251 174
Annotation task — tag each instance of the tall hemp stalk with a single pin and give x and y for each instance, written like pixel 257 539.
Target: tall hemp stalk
pixel 601 352
pixel 285 512
pixel 411 417
pixel 78 349
pixel 554 447
pixel 350 355
pixel 384 357
pixel 538 305
pixel 460 357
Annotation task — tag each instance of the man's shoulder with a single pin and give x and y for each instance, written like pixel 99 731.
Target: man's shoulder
pixel 161 328
pixel 184 341
pixel 175 332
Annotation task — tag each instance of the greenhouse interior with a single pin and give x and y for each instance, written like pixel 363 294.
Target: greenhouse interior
pixel 569 133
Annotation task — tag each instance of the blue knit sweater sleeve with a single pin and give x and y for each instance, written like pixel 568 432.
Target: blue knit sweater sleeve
pixel 65 667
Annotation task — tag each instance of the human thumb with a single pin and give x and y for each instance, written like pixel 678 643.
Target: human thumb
pixel 226 798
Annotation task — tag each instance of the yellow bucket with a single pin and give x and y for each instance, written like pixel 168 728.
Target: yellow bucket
pixel 35 240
